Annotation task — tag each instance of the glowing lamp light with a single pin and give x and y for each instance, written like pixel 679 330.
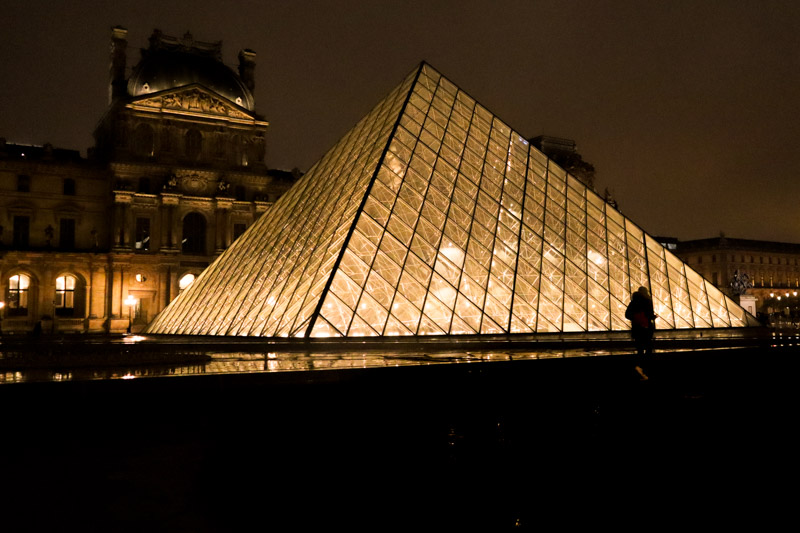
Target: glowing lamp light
pixel 453 253
pixel 130 301
pixel 596 258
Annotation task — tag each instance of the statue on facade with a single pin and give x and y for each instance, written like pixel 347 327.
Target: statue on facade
pixel 171 184
pixel 49 234
pixel 740 283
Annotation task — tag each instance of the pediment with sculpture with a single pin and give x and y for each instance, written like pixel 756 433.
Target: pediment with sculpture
pixel 193 98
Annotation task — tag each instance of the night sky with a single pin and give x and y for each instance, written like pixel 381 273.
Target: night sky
pixel 689 110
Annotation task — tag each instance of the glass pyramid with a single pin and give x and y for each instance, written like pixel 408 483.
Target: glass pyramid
pixel 433 217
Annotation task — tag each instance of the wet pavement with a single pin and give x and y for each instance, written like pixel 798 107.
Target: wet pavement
pixel 430 440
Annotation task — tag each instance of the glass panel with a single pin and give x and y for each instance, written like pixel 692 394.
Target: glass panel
pixel 412 290
pixel 442 290
pixel 346 289
pixel 468 312
pixel 359 328
pixel 406 313
pixel 336 312
pixel 380 289
pixel 387 268
pixel 372 312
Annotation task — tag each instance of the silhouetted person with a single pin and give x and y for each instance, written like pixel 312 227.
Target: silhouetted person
pixel 37 329
pixel 640 313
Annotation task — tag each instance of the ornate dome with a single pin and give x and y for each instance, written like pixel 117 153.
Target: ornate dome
pixel 170 63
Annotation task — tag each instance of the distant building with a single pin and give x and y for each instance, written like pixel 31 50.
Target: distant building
pixel 176 174
pixel 564 152
pixel 772 267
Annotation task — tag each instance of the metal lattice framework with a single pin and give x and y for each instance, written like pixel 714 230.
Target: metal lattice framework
pixel 434 217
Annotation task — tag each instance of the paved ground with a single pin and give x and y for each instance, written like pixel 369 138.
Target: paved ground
pixel 708 437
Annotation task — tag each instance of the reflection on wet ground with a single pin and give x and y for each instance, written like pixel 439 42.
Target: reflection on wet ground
pixel 244 362
pixel 70 359
pixel 443 439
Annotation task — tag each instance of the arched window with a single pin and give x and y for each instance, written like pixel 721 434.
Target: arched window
pixel 185 281
pixel 18 287
pixel 144 140
pixel 194 144
pixel 194 234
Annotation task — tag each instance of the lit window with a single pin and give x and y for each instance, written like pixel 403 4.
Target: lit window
pixel 18 286
pixel 65 295
pixel 185 281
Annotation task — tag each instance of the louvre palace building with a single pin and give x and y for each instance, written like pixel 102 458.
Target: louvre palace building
pixel 103 243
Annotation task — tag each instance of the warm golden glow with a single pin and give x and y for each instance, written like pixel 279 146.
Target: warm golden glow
pixel 185 281
pixel 447 222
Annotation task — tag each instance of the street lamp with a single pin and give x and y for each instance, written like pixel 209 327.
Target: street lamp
pixel 130 301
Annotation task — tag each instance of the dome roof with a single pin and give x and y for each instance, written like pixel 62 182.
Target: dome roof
pixel 160 70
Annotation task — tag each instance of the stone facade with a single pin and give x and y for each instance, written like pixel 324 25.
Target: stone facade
pixel 176 174
pixel 772 267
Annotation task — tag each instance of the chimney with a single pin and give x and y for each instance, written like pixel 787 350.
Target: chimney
pixel 247 68
pixel 119 42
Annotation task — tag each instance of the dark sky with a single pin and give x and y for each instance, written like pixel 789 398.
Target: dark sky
pixel 689 110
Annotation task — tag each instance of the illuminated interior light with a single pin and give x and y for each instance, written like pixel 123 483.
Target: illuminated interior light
pixel 186 281
pixel 453 253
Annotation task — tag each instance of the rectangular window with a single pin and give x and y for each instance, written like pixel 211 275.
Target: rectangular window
pixel 142 241
pixel 65 296
pixel 715 278
pixel 66 235
pixel 238 229
pixel 69 187
pixel 241 193
pixel 22 230
pixel 144 185
pixel 23 183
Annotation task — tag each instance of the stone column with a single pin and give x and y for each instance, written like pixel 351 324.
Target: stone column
pixel 169 239
pixel 122 224
pixel 223 206
pixel 163 287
